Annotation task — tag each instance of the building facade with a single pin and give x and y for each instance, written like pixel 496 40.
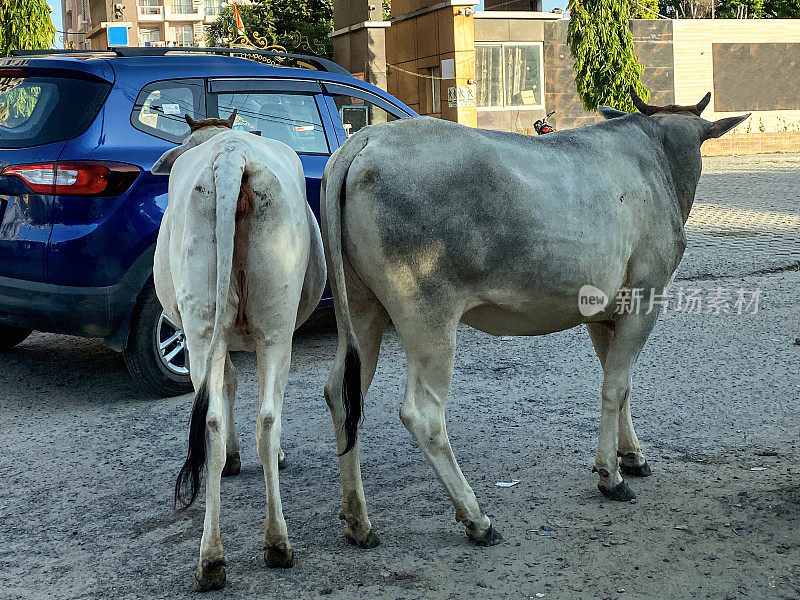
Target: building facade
pixel 504 69
pixel 149 22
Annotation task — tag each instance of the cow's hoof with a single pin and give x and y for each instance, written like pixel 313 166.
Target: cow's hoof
pixel 233 465
pixel 210 575
pixel 279 558
pixel 620 492
pixel 642 470
pixel 490 537
pixel 281 462
pixel 371 541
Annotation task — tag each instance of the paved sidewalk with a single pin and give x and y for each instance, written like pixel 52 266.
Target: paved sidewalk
pixel 755 229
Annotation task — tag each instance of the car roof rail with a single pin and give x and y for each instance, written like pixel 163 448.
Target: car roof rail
pixel 316 63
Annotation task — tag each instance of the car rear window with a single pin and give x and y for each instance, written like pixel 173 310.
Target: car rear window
pixel 162 106
pixel 43 110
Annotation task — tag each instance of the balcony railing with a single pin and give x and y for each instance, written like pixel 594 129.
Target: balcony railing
pixel 183 11
pixel 184 8
pixel 151 13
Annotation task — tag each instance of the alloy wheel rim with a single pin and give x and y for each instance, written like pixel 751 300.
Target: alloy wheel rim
pixel 171 346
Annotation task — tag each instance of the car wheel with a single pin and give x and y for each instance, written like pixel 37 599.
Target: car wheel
pixel 156 354
pixel 10 336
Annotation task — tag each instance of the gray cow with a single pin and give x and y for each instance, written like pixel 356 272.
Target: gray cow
pixel 429 223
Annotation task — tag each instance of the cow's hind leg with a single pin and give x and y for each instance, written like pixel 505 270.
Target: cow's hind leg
pixel 630 334
pixel 210 574
pixel 233 461
pixel 632 460
pixel 274 356
pixel 430 355
pixel 369 322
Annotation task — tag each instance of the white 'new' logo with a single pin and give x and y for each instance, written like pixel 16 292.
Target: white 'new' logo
pixel 591 300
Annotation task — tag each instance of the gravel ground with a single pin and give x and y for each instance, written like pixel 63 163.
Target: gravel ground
pixel 88 463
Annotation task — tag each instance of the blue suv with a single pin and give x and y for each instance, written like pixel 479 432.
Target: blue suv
pixel 79 208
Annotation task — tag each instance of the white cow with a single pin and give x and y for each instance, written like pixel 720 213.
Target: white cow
pixel 238 266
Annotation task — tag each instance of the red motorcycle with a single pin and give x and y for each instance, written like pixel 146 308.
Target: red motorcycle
pixel 542 126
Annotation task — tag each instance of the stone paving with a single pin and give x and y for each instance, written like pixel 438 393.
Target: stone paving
pixel 755 230
pixel 88 462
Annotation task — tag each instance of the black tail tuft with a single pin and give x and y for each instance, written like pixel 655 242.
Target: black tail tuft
pixel 196 457
pixel 351 396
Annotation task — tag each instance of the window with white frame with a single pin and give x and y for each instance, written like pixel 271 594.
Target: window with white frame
pixel 435 75
pixel 150 7
pixel 184 35
pixel 213 7
pixel 149 34
pixel 183 7
pixel 509 75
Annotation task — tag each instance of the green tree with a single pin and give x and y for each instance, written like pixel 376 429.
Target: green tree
pixel 782 9
pixel 686 9
pixel 18 102
pixel 25 25
pixel 644 9
pixel 257 19
pixel 739 9
pixel 297 25
pixel 601 43
pixel 731 9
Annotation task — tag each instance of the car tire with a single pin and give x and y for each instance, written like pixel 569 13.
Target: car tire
pixel 11 336
pixel 152 367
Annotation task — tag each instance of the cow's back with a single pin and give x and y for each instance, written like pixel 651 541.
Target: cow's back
pixel 275 235
pixel 506 218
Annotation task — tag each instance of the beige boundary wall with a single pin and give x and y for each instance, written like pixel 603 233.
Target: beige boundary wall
pixel 757 65
pixel 766 130
pixel 694 67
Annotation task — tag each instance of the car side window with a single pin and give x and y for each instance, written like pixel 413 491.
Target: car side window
pixel 357 113
pixel 289 117
pixel 161 106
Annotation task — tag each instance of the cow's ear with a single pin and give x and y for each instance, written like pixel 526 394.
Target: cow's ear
pixel 610 113
pixel 163 165
pixel 718 128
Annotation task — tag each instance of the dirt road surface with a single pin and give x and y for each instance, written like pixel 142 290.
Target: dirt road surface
pixel 87 463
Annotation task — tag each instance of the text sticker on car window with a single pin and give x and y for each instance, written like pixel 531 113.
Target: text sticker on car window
pixel 304 128
pixel 171 109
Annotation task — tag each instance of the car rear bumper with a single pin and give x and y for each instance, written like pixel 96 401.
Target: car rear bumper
pixel 89 312
pixel 97 312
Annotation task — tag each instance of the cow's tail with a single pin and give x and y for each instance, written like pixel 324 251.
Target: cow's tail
pixel 228 171
pixel 331 206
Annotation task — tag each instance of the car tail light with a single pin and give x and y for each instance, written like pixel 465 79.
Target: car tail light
pixel 76 178
pixel 40 178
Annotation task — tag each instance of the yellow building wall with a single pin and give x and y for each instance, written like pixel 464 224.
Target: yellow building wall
pixel 694 69
pixel 416 43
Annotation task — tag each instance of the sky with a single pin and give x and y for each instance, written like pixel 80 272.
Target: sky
pixel 55 6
